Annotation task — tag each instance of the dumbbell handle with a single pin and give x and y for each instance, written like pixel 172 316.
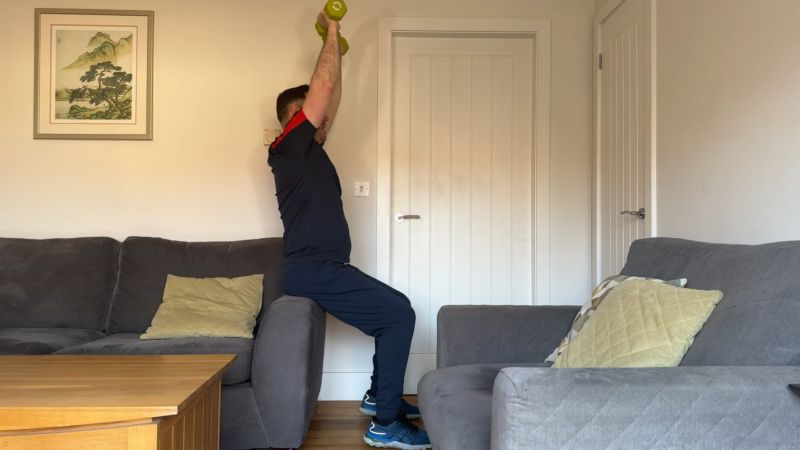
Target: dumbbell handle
pixel 322 31
pixel 324 34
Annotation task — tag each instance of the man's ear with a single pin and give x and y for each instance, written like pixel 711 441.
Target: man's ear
pixel 290 112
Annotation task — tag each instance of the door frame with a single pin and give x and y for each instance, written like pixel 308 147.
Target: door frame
pixel 540 31
pixel 650 127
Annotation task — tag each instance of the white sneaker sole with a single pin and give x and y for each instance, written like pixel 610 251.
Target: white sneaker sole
pixel 366 411
pixel 372 413
pixel 399 445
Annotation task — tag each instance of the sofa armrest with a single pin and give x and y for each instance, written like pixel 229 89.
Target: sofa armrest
pixel 677 407
pixel 286 375
pixel 500 334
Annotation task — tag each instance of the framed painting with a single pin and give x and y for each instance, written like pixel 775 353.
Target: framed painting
pixel 93 74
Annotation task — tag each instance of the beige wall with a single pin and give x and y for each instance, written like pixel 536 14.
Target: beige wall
pixel 728 115
pixel 598 4
pixel 218 68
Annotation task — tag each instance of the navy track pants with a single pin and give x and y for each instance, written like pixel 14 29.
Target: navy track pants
pixel 373 307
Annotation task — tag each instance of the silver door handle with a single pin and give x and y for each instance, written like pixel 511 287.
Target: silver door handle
pixel 640 213
pixel 401 217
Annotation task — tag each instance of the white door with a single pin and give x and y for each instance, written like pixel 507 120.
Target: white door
pixel 461 161
pixel 623 124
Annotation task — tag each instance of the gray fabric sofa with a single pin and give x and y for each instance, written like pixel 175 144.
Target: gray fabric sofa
pixel 491 389
pixel 95 296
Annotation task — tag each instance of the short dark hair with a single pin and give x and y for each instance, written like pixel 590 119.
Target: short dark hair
pixel 288 98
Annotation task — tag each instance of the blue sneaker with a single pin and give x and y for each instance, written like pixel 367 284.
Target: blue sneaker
pixel 400 434
pixel 369 407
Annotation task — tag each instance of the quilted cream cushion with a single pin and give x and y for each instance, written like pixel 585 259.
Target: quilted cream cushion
pixel 208 307
pixel 600 293
pixel 641 324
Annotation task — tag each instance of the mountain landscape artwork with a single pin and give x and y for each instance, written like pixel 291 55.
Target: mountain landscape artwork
pixel 93 75
pixel 93 71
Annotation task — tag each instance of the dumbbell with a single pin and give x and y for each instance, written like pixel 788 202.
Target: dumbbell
pixel 324 34
pixel 335 10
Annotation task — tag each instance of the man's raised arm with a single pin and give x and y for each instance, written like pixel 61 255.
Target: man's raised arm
pixel 326 75
pixel 335 100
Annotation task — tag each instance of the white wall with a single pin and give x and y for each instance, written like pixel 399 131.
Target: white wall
pixel 218 69
pixel 728 115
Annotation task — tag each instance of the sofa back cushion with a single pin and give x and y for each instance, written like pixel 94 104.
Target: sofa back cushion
pixel 756 323
pixel 57 283
pixel 146 262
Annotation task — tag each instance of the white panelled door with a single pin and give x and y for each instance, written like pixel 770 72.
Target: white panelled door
pixel 622 168
pixel 461 161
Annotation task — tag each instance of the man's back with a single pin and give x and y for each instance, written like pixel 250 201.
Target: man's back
pixel 309 196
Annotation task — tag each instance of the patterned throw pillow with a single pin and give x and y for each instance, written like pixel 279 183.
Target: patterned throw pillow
pixel 588 308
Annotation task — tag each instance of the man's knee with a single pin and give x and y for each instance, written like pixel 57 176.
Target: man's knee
pixel 403 315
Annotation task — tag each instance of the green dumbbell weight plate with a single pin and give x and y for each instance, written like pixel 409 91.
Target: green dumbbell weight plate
pixel 321 30
pixel 335 9
pixel 344 44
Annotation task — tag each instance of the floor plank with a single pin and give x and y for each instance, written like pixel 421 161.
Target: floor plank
pixel 340 426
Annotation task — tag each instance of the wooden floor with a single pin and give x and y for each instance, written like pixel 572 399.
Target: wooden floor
pixel 341 426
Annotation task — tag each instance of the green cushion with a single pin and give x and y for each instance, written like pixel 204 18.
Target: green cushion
pixel 208 307
pixel 641 324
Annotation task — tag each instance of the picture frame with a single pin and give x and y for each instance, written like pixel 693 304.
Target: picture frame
pixel 93 74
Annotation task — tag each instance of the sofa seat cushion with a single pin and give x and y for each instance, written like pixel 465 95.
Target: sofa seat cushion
pixel 43 341
pixel 130 344
pixel 456 404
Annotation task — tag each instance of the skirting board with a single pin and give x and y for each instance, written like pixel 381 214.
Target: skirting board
pixel 348 386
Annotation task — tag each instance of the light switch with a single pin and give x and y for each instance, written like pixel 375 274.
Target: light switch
pixel 270 136
pixel 362 189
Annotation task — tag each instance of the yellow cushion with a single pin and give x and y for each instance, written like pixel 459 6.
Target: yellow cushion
pixel 208 307
pixel 641 324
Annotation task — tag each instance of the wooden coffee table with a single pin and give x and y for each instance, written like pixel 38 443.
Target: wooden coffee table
pixel 111 402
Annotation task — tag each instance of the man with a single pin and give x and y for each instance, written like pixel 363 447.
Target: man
pixel 317 247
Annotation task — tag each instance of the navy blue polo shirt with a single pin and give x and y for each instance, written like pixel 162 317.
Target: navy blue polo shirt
pixel 309 196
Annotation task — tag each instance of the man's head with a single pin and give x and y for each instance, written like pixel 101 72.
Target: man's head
pixel 290 102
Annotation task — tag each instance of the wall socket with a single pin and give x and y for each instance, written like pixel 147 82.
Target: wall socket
pixel 361 189
pixel 270 136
